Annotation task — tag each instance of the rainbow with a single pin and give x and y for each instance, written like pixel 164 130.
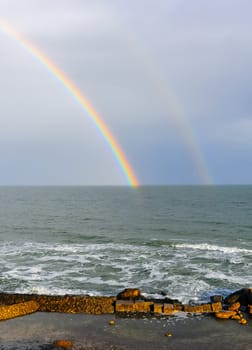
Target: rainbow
pixel 167 97
pixel 80 98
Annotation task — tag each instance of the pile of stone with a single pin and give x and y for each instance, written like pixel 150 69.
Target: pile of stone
pixel 233 312
pixel 131 301
pixel 236 305
pixel 232 307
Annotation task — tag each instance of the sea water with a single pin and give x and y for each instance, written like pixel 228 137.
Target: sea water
pixel 187 242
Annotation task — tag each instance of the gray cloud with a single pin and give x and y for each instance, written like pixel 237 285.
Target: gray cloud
pixel 150 68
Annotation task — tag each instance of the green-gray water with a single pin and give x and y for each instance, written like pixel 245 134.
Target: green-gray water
pixel 187 241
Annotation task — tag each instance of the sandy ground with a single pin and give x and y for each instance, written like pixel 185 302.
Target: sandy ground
pixel 39 331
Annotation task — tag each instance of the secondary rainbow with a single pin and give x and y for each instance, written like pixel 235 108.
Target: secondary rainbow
pixel 169 100
pixel 80 98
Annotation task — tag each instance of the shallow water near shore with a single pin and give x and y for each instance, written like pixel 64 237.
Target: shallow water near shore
pixel 40 330
pixel 187 241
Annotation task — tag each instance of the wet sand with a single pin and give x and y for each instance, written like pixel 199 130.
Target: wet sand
pixel 39 331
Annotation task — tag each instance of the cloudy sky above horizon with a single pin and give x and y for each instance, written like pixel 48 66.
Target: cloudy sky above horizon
pixel 170 78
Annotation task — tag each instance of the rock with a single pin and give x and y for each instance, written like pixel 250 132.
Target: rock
pixel 243 321
pixel 143 306
pixel 216 299
pixel 225 314
pixel 235 314
pixel 234 306
pixel 172 301
pixel 250 296
pixel 168 309
pixel 157 308
pixel 238 312
pixel 163 293
pixel 124 306
pixel 243 296
pixel 131 306
pixel 177 307
pixel 201 308
pixel 236 317
pixel 20 309
pixel 216 306
pixel 129 294
pixel 63 343
pixel 163 300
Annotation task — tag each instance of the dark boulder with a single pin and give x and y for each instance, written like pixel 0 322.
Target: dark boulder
pixel 129 294
pixel 243 296
pixel 216 299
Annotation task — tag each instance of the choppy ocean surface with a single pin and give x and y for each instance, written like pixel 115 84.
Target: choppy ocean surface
pixel 190 242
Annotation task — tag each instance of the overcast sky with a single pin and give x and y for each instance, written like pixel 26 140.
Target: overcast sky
pixel 170 78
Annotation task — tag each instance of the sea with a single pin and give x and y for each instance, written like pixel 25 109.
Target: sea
pixel 185 242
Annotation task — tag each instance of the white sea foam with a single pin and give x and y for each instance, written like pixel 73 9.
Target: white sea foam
pixel 179 269
pixel 210 247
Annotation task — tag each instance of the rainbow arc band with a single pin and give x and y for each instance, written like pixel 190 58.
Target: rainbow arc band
pixel 120 157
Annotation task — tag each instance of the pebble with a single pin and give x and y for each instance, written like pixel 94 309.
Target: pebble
pixel 63 343
pixel 234 306
pixel 243 321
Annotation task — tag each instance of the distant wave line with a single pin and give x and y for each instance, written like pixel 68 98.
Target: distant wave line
pixel 210 247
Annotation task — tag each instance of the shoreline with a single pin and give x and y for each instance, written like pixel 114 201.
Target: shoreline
pixel 125 322
pixel 40 330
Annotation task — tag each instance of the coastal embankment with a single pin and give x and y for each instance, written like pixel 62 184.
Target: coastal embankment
pixel 126 321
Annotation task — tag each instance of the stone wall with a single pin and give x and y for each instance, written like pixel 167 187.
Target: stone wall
pixel 128 301
pixel 66 303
